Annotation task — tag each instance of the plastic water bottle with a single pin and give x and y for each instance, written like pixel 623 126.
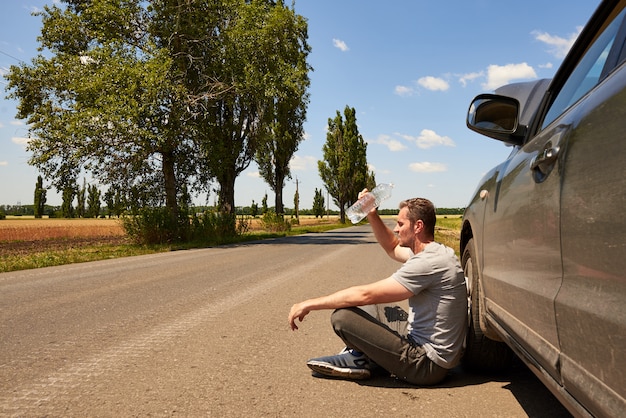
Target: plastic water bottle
pixel 369 201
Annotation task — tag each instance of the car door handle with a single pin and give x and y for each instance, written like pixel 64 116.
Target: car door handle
pixel 545 159
pixel 544 162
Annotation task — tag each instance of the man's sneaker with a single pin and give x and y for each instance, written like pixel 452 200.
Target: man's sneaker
pixel 344 364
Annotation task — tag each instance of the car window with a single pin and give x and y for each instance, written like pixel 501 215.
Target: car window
pixel 586 74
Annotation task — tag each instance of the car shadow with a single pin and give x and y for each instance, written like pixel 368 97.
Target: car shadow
pixel 534 398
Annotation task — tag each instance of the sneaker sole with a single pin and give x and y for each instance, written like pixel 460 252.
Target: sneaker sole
pixel 334 371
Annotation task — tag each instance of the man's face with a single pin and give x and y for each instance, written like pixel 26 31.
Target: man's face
pixel 404 230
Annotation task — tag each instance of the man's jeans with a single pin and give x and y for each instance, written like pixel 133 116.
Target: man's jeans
pixel 379 331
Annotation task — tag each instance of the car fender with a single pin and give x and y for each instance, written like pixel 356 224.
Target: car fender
pixel 473 219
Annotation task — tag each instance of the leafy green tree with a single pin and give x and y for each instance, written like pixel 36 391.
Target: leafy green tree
pixel 319 205
pixel 296 202
pixel 120 204
pixel 370 183
pixel 109 200
pixel 101 100
pixel 80 200
pixel 264 204
pixel 40 198
pixel 254 209
pixel 287 108
pixel 263 66
pixel 93 202
pixel 344 169
pixel 67 208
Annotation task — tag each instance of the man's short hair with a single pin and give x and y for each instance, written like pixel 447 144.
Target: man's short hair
pixel 421 209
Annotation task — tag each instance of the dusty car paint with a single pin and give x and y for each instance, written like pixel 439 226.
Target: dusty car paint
pixel 547 228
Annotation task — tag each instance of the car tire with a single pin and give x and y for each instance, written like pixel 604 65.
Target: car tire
pixel 482 354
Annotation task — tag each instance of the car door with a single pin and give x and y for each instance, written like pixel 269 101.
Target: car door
pixel 521 249
pixel 590 315
pixel 522 246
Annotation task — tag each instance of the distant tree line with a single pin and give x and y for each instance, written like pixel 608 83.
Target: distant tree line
pixel 252 210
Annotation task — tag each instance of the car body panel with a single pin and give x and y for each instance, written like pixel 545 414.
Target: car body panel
pixel 547 227
pixel 521 254
pixel 594 250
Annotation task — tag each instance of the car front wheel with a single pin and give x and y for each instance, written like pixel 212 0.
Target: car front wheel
pixel 481 353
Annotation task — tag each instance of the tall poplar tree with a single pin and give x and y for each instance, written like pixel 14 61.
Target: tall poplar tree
pixel 287 108
pixel 40 198
pixel 93 202
pixel 318 203
pixel 265 49
pixel 344 169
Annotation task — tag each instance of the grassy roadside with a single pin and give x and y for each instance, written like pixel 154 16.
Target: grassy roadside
pixel 68 252
pixel 47 253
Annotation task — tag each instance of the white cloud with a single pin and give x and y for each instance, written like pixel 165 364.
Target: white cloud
pixel 341 45
pixel 499 75
pixel 433 83
pixel 547 65
pixel 20 140
pixel 3 163
pixel 427 167
pixel 391 143
pixel 403 91
pixel 559 47
pixel 465 78
pixel 253 174
pixel 17 123
pixel 428 139
pixel 305 163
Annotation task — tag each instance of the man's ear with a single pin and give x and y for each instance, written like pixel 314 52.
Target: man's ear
pixel 418 225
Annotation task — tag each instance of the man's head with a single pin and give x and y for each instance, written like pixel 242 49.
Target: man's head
pixel 419 209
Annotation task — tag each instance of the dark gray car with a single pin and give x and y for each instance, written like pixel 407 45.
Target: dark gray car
pixel 544 237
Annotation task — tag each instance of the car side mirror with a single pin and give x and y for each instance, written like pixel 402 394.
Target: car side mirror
pixel 497 117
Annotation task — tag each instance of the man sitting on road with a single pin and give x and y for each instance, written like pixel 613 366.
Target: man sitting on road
pixel 419 347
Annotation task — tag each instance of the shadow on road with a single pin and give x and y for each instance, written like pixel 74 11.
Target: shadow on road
pixel 335 237
pixel 532 395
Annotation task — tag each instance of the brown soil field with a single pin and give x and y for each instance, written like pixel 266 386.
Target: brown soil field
pixel 25 235
pixel 29 235
pixel 29 229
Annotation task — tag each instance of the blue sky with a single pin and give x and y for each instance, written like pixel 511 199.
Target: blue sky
pixel 410 69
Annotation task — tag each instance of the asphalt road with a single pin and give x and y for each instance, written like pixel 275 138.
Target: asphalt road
pixel 202 333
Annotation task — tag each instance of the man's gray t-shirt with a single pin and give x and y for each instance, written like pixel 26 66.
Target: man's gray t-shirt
pixel 438 308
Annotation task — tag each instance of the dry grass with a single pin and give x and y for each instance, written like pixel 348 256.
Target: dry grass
pixel 30 229
pixel 256 224
pixel 32 243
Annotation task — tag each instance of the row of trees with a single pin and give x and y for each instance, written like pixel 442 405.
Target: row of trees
pixel 88 204
pixel 162 99
pixel 344 170
pixel 165 98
